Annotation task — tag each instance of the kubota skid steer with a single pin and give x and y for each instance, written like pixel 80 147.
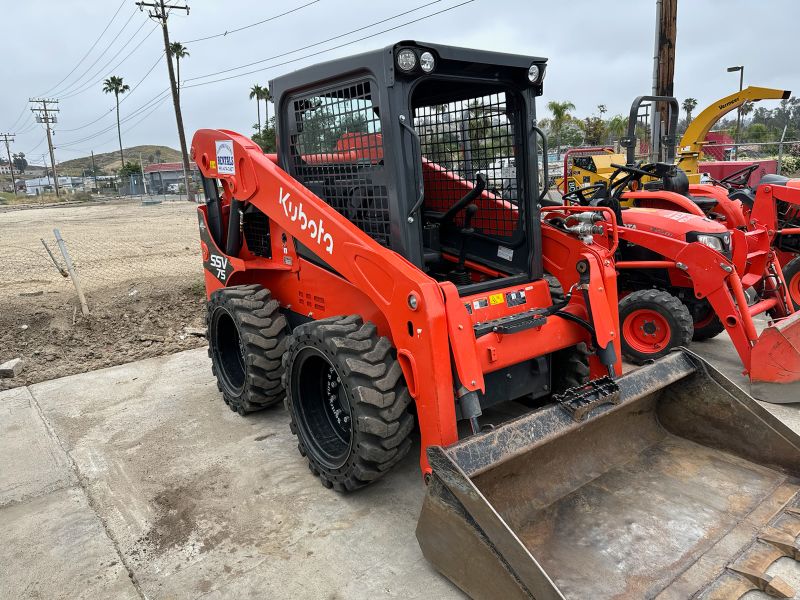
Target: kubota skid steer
pixel 367 275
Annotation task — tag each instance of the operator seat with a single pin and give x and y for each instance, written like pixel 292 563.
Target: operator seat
pixel 678 182
pixel 747 195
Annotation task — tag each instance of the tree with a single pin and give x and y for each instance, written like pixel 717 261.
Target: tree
pixel 20 162
pixel 266 137
pixel 130 168
pixel 594 129
pixel 266 96
pixel 158 155
pixel 257 93
pixel 689 105
pixel 561 116
pixel 116 86
pixel 179 51
pixel 602 109
pixel 616 127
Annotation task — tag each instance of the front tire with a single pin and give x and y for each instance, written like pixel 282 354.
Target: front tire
pixel 347 401
pixel 706 323
pixel 246 341
pixel 791 272
pixel 653 322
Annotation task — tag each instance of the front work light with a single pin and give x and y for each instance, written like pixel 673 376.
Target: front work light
pixel 427 62
pixel 406 60
pixel 533 73
pixel 712 242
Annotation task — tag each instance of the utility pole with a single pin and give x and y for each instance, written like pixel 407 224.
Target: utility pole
pixel 9 137
pixel 737 138
pixel 160 14
pixel 664 68
pixel 44 115
pixel 94 173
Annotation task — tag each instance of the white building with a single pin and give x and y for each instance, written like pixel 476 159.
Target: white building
pixel 41 185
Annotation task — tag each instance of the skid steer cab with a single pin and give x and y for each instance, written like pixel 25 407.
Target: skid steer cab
pixel 391 268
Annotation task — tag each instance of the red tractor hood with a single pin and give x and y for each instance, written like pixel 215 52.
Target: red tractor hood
pixel 670 223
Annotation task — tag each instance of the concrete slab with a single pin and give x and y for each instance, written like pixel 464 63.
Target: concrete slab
pixel 31 462
pixel 203 502
pixel 54 547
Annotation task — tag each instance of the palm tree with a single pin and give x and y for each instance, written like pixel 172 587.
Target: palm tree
pixel 689 105
pixel 266 96
pixel 179 51
pixel 115 85
pixel 257 93
pixel 561 117
pixel 616 127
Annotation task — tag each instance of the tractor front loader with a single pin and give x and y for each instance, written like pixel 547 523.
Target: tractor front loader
pixel 376 277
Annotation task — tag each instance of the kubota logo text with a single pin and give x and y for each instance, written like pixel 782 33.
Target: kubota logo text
pixel 314 227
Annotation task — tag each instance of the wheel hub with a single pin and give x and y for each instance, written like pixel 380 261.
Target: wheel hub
pixel 646 331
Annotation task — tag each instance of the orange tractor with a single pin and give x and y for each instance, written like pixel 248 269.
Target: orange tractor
pixel 379 279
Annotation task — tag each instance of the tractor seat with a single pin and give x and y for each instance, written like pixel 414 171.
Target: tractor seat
pixel 773 179
pixel 679 183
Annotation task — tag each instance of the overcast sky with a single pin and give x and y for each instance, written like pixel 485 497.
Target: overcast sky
pixel 599 52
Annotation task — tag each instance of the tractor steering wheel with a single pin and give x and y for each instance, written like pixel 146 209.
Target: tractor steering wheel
pixel 579 196
pixel 738 179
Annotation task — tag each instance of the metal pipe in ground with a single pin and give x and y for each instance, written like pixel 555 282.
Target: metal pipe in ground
pixel 72 273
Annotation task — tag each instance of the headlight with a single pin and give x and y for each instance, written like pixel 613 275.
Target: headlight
pixel 533 73
pixel 406 60
pixel 712 242
pixel 426 62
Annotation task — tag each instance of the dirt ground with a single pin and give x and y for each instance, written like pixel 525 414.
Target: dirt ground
pixel 139 266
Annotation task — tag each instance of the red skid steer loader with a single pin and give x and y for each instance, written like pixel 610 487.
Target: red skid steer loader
pixel 378 274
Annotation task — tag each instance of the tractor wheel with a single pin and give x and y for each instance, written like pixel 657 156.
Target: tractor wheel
pixel 347 401
pixel 706 323
pixel 570 368
pixel 556 290
pixel 246 341
pixel 792 274
pixel 653 322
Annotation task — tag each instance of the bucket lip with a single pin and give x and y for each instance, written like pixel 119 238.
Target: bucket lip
pixel 480 452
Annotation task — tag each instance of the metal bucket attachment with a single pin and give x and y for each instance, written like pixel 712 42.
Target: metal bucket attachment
pixel 686 488
pixel 776 360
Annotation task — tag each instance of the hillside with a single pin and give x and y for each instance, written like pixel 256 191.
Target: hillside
pixel 109 162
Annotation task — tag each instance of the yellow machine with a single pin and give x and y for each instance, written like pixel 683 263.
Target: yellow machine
pixel 585 166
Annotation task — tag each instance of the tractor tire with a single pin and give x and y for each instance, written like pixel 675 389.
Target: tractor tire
pixel 347 400
pixel 791 272
pixel 653 322
pixel 707 325
pixel 556 290
pixel 246 342
pixel 570 368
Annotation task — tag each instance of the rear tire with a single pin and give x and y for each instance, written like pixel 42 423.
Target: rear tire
pixel 570 368
pixel 653 322
pixel 246 341
pixel 791 272
pixel 706 323
pixel 347 401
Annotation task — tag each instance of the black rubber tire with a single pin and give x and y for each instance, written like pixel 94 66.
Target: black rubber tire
pixel 669 308
pixel 570 368
pixel 369 380
pixel 556 290
pixel 710 330
pixel 247 317
pixel 790 271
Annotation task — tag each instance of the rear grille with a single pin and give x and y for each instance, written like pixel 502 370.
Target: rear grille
pixel 256 232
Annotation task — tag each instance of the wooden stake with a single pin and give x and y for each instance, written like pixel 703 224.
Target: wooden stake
pixel 72 273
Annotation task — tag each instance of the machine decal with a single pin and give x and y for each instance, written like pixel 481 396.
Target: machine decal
pixel 315 227
pixel 220 263
pixel 480 303
pixel 225 164
pixel 496 299
pixel 505 253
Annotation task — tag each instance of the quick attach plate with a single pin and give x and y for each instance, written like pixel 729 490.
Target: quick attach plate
pixel 578 401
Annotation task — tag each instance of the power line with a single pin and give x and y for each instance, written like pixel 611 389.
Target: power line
pixel 330 39
pixel 22 114
pixel 114 16
pixel 44 114
pixel 78 82
pixel 271 66
pixel 238 29
pixel 105 68
pixel 125 97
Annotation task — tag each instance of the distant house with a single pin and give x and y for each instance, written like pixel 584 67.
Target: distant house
pixel 41 185
pixel 163 175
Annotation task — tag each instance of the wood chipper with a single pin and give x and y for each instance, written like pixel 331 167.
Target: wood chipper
pixel 378 277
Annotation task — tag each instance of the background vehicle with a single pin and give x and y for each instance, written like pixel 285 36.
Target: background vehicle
pixel 367 274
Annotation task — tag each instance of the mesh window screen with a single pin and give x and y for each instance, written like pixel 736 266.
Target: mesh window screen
pixel 465 137
pixel 337 152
